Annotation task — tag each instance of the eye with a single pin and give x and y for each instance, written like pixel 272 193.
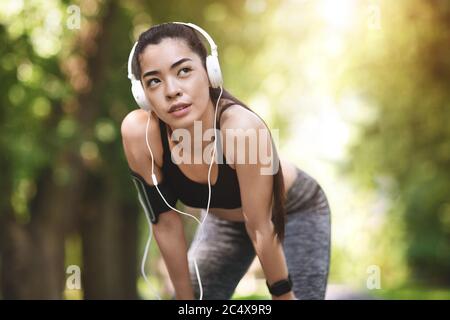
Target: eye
pixel 150 81
pixel 186 70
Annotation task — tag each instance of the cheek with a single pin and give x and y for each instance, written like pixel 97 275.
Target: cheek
pixel 155 96
pixel 201 88
pixel 202 96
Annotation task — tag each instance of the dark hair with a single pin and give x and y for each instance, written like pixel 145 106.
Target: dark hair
pixel 155 35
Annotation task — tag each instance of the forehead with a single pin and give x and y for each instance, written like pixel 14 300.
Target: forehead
pixel 162 55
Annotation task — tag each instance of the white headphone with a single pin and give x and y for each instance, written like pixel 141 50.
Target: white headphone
pixel 216 80
pixel 212 68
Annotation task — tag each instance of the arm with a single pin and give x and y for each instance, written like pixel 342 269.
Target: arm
pixel 256 195
pixel 169 232
pixel 169 235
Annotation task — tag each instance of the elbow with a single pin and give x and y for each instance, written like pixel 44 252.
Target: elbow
pixel 168 221
pixel 260 233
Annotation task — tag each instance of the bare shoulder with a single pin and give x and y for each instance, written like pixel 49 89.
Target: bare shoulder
pixel 239 117
pixel 237 124
pixel 133 131
pixel 134 123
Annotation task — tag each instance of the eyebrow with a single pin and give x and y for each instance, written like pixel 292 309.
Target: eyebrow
pixel 149 73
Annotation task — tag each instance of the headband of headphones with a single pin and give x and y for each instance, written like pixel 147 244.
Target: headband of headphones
pixel 211 42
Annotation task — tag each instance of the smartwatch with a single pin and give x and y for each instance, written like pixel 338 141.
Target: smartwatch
pixel 280 287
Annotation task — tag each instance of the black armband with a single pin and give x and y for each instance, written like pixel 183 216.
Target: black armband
pixel 150 199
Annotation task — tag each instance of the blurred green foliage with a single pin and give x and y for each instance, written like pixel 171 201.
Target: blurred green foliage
pixel 403 71
pixel 65 93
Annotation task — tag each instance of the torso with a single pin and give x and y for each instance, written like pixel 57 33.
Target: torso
pixel 289 175
pixel 199 173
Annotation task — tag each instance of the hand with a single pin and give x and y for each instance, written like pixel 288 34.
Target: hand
pixel 287 296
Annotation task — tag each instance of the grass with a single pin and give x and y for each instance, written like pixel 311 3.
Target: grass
pixel 413 293
pixel 251 297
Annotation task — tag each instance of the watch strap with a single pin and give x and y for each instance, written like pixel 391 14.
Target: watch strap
pixel 280 287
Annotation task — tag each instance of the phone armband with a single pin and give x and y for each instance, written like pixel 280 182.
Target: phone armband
pixel 150 199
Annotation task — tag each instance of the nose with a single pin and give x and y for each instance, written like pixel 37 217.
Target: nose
pixel 172 89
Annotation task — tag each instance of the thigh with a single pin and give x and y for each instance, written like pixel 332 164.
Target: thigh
pixel 307 250
pixel 223 256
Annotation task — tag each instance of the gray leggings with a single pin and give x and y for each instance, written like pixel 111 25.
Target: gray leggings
pixel 225 251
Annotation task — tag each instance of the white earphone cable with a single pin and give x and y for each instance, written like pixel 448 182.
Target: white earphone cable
pixel 155 182
pixel 209 193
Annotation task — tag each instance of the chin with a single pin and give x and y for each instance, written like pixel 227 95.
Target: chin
pixel 185 122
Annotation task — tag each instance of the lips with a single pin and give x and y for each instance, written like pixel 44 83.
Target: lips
pixel 178 106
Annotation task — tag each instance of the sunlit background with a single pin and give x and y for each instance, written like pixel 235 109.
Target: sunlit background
pixel 358 91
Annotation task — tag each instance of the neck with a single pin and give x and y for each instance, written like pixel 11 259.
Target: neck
pixel 197 131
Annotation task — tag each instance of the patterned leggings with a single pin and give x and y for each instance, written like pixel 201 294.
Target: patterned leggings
pixel 226 252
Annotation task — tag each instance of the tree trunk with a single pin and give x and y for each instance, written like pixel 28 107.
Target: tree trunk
pixel 109 234
pixel 33 253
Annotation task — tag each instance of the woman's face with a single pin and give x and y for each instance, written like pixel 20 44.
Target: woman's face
pixel 172 73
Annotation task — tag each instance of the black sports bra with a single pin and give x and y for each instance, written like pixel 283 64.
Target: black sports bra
pixel 225 193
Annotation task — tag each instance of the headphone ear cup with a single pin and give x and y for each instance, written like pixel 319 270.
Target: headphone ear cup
pixel 214 72
pixel 139 95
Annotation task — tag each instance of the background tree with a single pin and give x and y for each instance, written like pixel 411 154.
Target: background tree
pixel 404 73
pixel 66 195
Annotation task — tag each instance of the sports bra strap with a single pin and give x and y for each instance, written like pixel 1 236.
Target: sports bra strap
pixel 221 111
pixel 165 142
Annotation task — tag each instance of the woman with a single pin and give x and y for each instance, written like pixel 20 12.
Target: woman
pixel 283 218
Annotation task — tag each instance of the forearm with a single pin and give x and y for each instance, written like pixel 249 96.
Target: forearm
pixel 169 234
pixel 270 254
